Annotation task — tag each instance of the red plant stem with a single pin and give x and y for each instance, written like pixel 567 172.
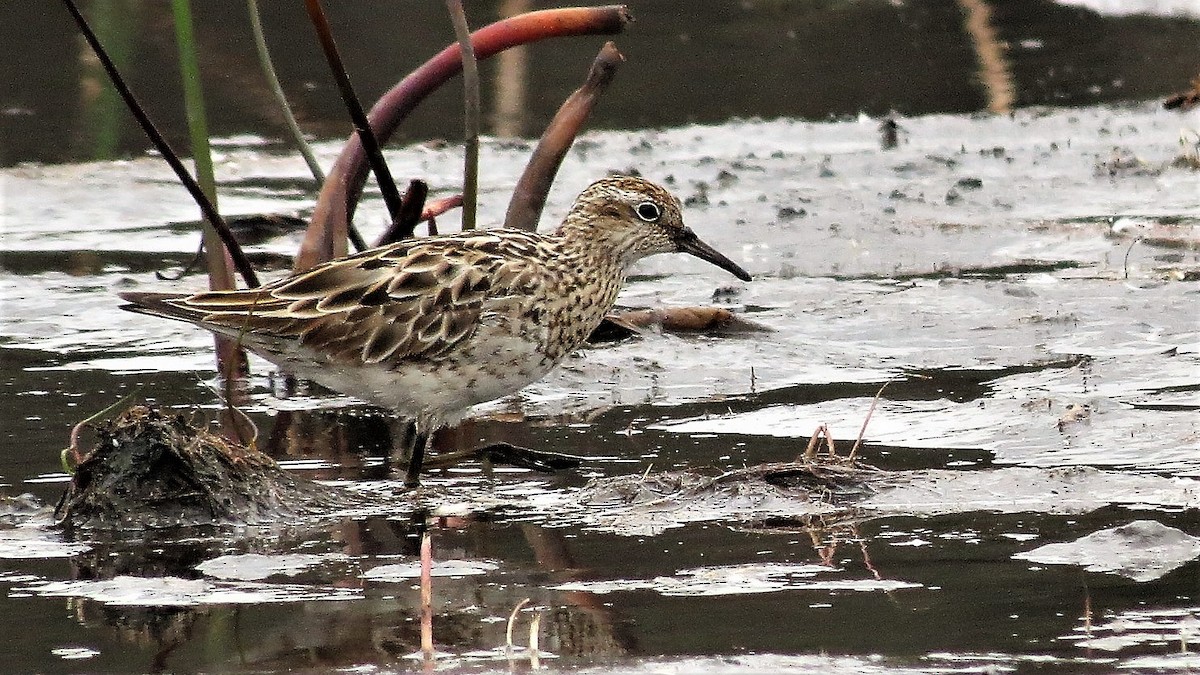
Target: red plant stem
pixel 437 207
pixel 529 196
pixel 342 189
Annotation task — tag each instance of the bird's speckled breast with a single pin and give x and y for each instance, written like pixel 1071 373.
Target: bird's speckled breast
pixel 577 306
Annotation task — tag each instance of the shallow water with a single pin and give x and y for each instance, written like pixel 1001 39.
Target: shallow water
pixel 1025 284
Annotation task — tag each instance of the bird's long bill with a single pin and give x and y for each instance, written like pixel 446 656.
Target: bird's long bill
pixel 690 243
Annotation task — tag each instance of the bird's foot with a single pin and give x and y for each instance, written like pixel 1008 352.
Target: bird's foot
pixel 525 458
pixel 507 453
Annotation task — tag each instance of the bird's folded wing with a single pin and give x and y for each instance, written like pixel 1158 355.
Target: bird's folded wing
pixel 413 300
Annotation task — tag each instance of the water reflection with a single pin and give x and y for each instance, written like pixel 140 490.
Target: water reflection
pixel 511 81
pixel 155 598
pixel 995 70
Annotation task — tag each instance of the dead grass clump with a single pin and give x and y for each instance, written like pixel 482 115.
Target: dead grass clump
pixel 155 469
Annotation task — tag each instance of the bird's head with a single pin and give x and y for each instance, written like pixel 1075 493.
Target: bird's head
pixel 638 218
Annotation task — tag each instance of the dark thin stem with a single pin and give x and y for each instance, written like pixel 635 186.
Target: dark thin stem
pixel 471 112
pixel 387 186
pixel 356 238
pixel 164 148
pixel 410 214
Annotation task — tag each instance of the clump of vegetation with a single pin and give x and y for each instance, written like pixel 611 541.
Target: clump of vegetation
pixel 152 469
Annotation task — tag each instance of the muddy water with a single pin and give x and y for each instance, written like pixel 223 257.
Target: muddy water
pixel 1026 285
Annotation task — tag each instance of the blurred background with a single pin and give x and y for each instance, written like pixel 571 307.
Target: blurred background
pixel 688 62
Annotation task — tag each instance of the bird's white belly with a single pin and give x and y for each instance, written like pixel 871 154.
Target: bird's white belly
pixel 436 392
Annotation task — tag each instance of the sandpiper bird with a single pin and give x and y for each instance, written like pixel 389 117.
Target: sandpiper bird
pixel 429 327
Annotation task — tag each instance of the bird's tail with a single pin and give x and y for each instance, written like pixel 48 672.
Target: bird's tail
pixel 169 305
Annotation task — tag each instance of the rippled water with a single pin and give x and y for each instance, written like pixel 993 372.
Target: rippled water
pixel 1024 283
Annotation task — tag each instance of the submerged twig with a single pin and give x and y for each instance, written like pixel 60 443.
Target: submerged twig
pixel 471 112
pixel 340 194
pixel 362 127
pixel 529 196
pixel 862 431
pixel 164 149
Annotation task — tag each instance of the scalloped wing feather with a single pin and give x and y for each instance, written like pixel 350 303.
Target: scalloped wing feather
pixel 412 300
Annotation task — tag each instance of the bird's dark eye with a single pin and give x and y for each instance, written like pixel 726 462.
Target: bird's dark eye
pixel 649 211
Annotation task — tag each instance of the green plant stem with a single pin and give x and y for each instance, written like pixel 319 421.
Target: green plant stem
pixel 471 105
pixel 193 100
pixel 230 358
pixel 268 68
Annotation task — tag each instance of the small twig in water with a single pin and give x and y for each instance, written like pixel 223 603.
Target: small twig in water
pixel 1127 252
pixel 829 443
pixel 863 429
pixel 512 619
pixel 646 473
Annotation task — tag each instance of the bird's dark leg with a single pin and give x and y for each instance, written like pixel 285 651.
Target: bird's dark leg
pixel 412 478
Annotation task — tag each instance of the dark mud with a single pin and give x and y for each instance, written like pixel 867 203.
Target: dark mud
pixel 151 471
